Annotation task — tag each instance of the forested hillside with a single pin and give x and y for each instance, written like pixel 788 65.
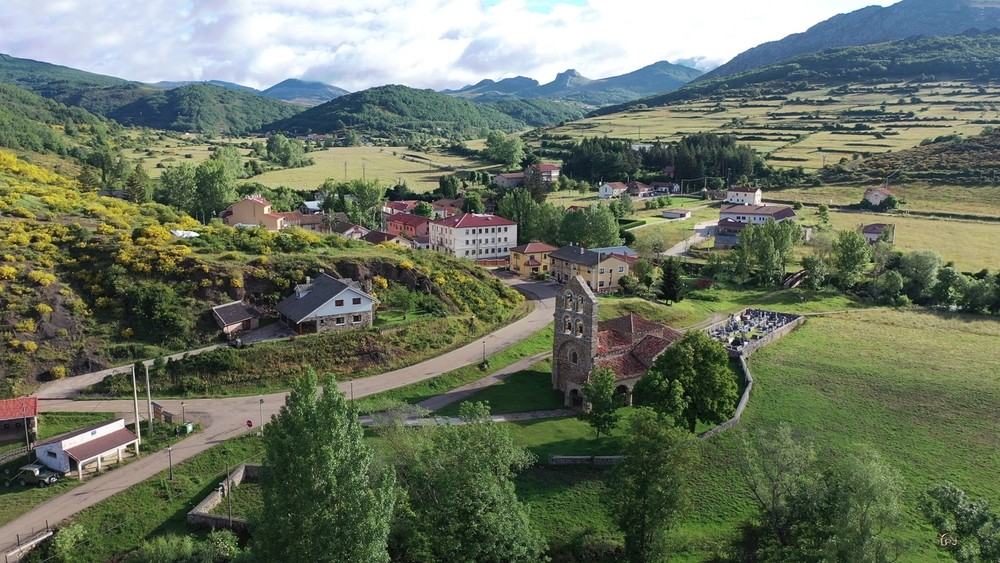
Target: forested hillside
pixel 32 123
pixel 203 108
pixel 388 110
pixel 537 112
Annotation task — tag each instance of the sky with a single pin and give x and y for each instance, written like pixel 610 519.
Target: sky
pixel 357 44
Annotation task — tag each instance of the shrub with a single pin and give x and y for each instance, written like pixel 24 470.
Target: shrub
pixel 8 272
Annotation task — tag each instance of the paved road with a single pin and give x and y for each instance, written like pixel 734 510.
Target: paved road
pixel 703 231
pixel 226 418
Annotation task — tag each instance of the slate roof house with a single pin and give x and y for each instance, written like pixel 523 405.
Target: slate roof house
pixel 628 345
pixel 327 304
pixel 601 270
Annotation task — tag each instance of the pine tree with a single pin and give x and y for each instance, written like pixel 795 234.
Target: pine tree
pixel 671 285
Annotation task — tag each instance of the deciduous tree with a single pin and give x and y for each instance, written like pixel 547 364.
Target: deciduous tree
pixel 700 365
pixel 323 496
pixel 600 393
pixel 649 487
pixel 851 254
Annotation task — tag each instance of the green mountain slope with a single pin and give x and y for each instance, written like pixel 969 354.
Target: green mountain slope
pixel 203 107
pixel 873 24
pixel 33 123
pixel 392 110
pixel 537 112
pixel 972 55
pixel 304 92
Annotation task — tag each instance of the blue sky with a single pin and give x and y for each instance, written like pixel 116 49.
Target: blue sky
pixel 421 43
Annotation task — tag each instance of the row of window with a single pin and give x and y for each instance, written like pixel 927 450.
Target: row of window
pixel 485 230
pixel 485 251
pixel 621 270
pixel 340 302
pixel 340 321
pixel 485 241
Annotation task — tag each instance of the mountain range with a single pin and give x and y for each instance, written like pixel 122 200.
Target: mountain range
pixel 572 86
pixel 874 24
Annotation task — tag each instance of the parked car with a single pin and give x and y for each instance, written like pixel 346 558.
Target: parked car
pixel 32 474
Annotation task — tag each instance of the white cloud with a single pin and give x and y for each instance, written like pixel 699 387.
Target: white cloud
pixel 420 43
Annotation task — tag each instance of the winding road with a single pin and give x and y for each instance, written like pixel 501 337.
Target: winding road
pixel 226 418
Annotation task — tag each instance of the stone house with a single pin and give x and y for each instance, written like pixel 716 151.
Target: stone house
pixel 628 345
pixel 602 271
pixel 327 304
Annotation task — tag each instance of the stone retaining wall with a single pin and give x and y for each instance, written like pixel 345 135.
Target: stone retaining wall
pixel 201 515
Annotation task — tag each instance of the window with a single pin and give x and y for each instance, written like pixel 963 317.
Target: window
pixel 601 271
pixel 573 358
pixel 602 283
pixel 567 323
pixel 357 318
pixel 621 269
pixel 338 303
pixel 52 454
pixel 339 320
pixel 356 301
pixel 579 328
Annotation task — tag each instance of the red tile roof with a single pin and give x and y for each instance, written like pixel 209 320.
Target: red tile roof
pixel 99 446
pixel 532 247
pixel 548 167
pixel 617 185
pixel 408 219
pixel 629 344
pixel 473 220
pixel 625 366
pixel 402 206
pixel 18 408
pixel 775 211
pixel 874 229
pixel 630 324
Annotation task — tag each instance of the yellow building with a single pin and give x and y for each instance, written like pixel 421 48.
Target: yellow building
pixel 601 271
pixel 531 258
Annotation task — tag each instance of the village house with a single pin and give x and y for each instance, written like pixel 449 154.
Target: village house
pixel 327 304
pixel 550 172
pixel 609 190
pixel 638 189
pixel 407 225
pixel 403 206
pixel 734 218
pixel 627 345
pixel 665 187
pixel 602 271
pixel 744 196
pixel 531 258
pixel 446 207
pixel 879 231
pixel 380 237
pixel 101 443
pixel 474 236
pixel 349 230
pixel 508 180
pixel 236 317
pixel 253 211
pixel 676 213
pixel 875 196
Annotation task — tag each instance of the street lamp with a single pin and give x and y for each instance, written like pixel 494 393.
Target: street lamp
pixel 261 405
pixel 484 352
pixel 170 461
pixel 183 414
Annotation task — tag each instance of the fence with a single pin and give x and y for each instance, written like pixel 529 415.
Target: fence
pixel 14 552
pixel 584 459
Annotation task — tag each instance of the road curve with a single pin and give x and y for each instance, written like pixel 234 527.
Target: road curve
pixel 226 418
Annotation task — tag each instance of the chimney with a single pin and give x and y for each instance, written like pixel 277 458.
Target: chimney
pixel 581 250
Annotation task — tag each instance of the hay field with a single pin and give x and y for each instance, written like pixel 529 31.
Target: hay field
pixel 801 129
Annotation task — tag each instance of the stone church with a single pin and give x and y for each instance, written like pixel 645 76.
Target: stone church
pixel 628 345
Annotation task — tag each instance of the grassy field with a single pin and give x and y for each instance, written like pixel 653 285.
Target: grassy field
pixel 666 234
pixel 971 245
pixel 419 170
pixel 246 501
pixel 526 390
pixel 984 200
pixel 790 131
pixel 412 394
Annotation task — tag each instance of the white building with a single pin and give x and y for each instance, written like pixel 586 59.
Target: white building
pixel 610 190
pixel 474 236
pixel 744 196
pixel 327 304
pixel 99 443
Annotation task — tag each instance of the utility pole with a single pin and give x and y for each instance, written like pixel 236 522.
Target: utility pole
pixel 170 462
pixel 135 400
pixel 149 401
pixel 261 406
pixel 24 420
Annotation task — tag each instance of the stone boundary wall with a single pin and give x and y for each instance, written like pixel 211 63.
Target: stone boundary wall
pixel 201 515
pixel 749 349
pixel 740 407
pixel 584 459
